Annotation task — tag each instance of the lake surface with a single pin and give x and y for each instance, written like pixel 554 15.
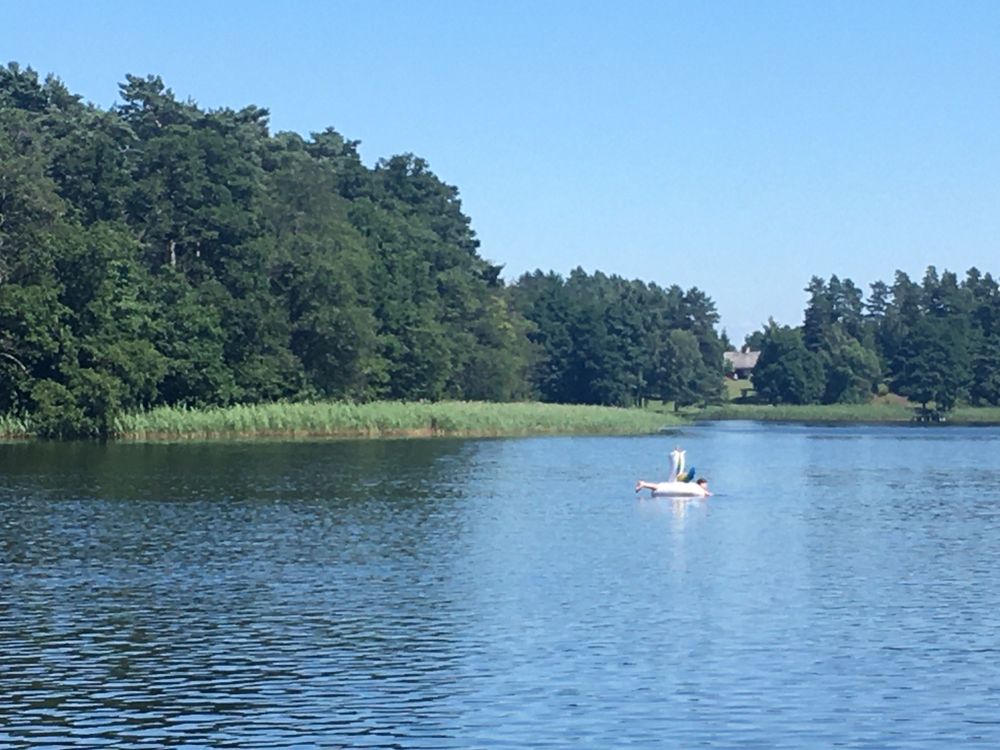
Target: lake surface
pixel 842 589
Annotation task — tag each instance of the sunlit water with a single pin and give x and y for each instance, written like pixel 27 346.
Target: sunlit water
pixel 840 590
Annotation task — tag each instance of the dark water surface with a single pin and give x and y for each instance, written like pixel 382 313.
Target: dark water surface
pixel 841 591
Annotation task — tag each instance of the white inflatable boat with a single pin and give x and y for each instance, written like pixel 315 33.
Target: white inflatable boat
pixel 679 482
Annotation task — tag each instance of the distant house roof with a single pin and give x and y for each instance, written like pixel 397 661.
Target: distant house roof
pixel 745 360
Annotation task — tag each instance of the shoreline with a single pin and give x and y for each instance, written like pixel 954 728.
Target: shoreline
pixel 379 419
pixel 466 419
pixel 869 414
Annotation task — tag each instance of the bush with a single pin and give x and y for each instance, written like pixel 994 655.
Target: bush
pixel 87 411
pixel 55 413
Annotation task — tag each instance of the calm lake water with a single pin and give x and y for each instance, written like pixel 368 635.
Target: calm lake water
pixel 841 590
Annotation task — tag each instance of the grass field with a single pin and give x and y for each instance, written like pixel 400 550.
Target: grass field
pixel 736 389
pixel 986 415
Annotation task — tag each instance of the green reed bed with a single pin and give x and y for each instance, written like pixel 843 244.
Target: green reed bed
pixel 13 427
pixel 387 418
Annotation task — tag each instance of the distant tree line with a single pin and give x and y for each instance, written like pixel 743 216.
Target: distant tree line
pixel 936 342
pixel 158 254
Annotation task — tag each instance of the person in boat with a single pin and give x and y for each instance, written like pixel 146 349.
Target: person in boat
pixel 654 486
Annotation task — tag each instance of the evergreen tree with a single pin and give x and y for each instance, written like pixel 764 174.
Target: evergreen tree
pixel 985 386
pixel 935 364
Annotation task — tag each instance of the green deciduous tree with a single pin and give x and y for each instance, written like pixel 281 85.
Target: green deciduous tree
pixel 786 371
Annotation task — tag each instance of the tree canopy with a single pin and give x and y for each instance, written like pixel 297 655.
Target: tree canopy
pixel 936 342
pixel 156 253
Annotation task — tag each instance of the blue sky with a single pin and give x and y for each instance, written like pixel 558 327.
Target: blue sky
pixel 737 147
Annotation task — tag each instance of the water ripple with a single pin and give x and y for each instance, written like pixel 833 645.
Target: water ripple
pixel 457 594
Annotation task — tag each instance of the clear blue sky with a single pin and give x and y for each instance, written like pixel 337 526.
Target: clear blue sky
pixel 740 147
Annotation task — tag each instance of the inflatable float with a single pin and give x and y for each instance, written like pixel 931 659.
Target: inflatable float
pixel 678 482
pixel 679 489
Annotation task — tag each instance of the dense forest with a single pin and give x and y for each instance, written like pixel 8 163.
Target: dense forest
pixel 936 342
pixel 159 254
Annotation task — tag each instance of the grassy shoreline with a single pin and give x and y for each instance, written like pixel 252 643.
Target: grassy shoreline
pixel 472 419
pixel 874 413
pixel 388 419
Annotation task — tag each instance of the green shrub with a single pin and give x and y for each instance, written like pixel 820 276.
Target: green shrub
pixel 55 413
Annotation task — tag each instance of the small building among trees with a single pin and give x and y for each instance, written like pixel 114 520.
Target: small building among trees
pixel 739 365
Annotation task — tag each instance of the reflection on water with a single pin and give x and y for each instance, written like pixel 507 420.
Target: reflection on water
pixel 838 591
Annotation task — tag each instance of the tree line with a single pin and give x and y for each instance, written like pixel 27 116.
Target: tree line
pixel 155 253
pixel 936 342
